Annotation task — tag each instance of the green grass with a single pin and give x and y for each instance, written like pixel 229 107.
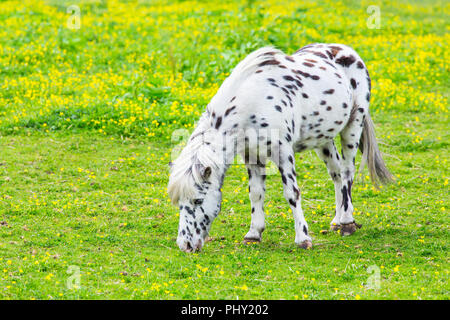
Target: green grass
pixel 86 118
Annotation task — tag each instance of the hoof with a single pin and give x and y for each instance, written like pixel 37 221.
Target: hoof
pixel 335 227
pixel 305 244
pixel 350 228
pixel 252 240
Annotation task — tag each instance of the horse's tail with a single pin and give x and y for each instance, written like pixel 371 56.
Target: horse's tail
pixel 379 173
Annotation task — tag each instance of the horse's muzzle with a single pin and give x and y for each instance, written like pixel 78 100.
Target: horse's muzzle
pixel 188 246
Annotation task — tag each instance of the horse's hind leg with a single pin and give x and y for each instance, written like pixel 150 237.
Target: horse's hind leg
pixel 256 186
pixel 350 138
pixel 330 156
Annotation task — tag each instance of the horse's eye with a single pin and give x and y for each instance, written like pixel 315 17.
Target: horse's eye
pixel 198 202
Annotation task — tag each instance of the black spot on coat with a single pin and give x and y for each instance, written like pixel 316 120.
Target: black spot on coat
pixel 218 122
pixel 346 61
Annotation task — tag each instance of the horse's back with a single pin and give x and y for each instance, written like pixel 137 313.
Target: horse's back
pixel 309 96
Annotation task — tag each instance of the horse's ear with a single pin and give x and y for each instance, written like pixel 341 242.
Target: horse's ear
pixel 206 173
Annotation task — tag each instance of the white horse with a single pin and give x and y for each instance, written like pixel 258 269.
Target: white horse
pixel 271 106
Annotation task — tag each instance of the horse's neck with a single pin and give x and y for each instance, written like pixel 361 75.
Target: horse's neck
pixel 202 125
pixel 220 145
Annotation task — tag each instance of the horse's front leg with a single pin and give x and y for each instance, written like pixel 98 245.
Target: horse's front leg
pixel 285 160
pixel 257 189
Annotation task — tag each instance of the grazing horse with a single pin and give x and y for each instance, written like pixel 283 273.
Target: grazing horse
pixel 271 106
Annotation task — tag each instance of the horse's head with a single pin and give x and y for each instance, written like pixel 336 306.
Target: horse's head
pixel 197 213
pixel 195 187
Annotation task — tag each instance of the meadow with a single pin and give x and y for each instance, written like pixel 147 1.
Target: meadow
pixel 92 106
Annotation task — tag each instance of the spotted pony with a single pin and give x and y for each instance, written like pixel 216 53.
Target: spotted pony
pixel 271 106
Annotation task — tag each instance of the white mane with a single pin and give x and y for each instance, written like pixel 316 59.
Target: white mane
pixel 186 170
pixel 241 72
